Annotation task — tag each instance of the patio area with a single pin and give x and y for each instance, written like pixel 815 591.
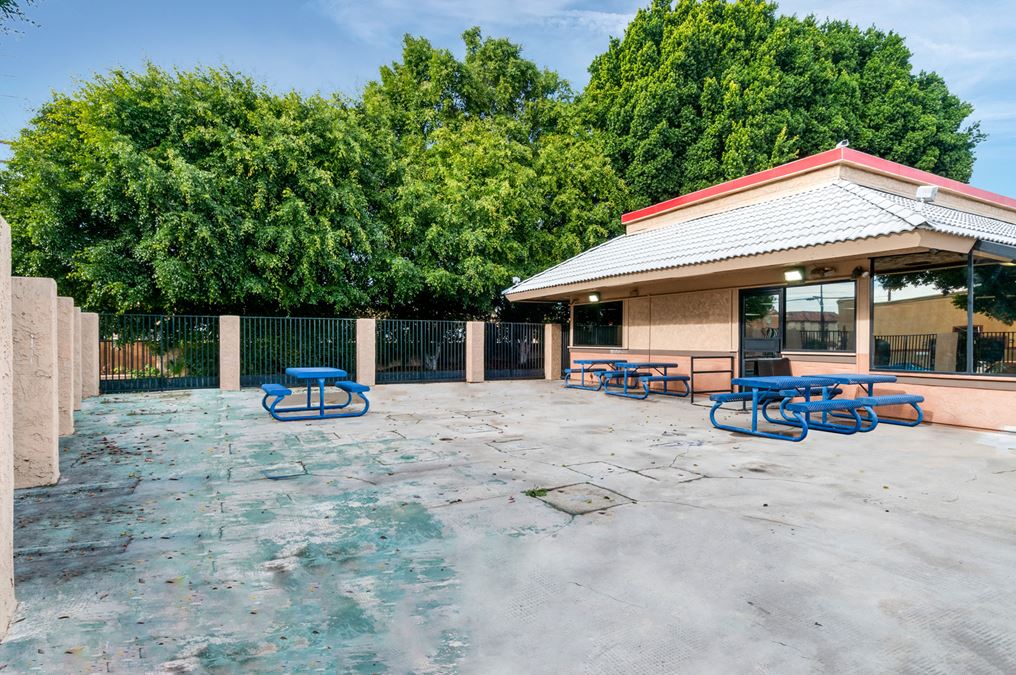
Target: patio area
pixel 190 532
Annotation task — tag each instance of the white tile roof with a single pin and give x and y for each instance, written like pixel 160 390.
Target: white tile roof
pixel 835 212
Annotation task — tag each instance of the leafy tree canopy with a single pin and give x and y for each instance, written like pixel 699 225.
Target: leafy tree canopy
pixel 493 176
pixel 159 191
pixel 702 91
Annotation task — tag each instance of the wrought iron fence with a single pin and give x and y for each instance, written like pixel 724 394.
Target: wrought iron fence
pixel 270 344
pixel 513 351
pixel 906 352
pixel 834 340
pixel 155 352
pixel 590 335
pixel 420 351
pixel 995 352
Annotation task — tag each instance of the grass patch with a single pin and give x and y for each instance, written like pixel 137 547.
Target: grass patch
pixel 536 492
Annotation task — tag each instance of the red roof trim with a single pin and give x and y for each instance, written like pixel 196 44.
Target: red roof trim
pixel 827 158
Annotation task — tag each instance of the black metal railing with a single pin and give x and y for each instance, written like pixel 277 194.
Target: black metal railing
pixel 155 352
pixel 821 340
pixel 420 351
pixel 906 352
pixel 995 352
pixel 513 351
pixel 270 344
pixel 591 335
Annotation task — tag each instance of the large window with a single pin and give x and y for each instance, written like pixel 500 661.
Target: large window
pixel 820 317
pixel 599 324
pixel 925 318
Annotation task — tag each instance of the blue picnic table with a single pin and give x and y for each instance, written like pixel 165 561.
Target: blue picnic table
pixel 630 370
pixel 318 375
pixel 867 382
pixel 584 369
pixel 761 392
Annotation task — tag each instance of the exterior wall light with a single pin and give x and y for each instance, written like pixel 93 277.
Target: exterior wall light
pixel 794 274
pixel 594 297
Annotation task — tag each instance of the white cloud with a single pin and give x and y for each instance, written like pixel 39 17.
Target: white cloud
pixel 387 20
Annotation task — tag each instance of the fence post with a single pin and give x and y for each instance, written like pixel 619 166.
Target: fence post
pixel 474 351
pixel 77 358
pixel 36 422
pixel 552 351
pixel 7 602
pixel 89 354
pixel 366 351
pixel 65 363
pixel 229 352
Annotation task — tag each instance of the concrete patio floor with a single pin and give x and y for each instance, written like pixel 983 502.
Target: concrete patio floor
pixel 192 533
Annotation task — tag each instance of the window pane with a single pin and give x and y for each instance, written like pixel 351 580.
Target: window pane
pixel 920 319
pixel 599 324
pixel 820 317
pixel 994 319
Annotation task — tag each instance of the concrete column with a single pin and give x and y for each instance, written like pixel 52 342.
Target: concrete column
pixel 366 351
pixel 89 354
pixel 552 351
pixel 65 363
pixel 36 423
pixel 77 358
pixel 229 353
pixel 474 351
pixel 7 602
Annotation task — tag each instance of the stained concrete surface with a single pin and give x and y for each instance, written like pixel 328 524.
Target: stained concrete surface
pixel 189 532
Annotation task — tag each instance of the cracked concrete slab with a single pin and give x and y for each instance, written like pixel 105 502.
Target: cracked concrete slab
pixel 407 545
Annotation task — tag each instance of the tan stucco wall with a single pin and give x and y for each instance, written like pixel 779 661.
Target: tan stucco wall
pixel 65 364
pixel 552 336
pixel 7 602
pixel 77 358
pixel 36 423
pixel 474 351
pixel 366 349
pixel 229 352
pixel 693 321
pixel 89 354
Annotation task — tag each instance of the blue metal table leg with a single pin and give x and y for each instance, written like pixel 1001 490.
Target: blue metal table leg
pixel 321 396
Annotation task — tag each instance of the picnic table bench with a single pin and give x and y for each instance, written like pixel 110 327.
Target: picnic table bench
pixel 583 370
pixel 321 410
pixel 643 372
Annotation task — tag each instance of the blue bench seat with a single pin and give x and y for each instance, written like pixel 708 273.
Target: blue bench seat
pixel 897 399
pixel 276 390
pixel 352 387
pixel 646 380
pixel 825 405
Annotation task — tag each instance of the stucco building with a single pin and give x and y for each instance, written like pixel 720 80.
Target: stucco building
pixel 841 261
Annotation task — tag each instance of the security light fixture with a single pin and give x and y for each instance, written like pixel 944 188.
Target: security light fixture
pixel 793 274
pixel 594 297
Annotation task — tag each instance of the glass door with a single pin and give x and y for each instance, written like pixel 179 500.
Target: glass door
pixel 761 328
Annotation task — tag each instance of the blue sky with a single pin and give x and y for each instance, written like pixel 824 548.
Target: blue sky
pixel 337 45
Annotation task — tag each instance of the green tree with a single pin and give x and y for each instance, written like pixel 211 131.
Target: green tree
pixel 493 175
pixel 159 191
pixel 703 91
pixel 11 11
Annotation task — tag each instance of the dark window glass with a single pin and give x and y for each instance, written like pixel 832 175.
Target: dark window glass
pixel 919 318
pixel 599 324
pixel 820 317
pixel 994 319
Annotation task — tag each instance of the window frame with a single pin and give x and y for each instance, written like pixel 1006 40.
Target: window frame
pixel 575 323
pixel 970 369
pixel 783 317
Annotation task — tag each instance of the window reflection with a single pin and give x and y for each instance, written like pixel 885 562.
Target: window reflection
pixel 820 317
pixel 599 324
pixel 994 319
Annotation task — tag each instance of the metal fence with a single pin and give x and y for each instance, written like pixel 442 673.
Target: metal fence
pixel 590 335
pixel 270 344
pixel 906 352
pixel 995 352
pixel 835 340
pixel 513 351
pixel 420 351
pixel 155 352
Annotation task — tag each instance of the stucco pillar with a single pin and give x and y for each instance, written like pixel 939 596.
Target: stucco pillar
pixel 36 423
pixel 7 602
pixel 229 352
pixel 862 309
pixel 89 354
pixel 77 358
pixel 552 351
pixel 366 347
pixel 65 363
pixel 474 351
